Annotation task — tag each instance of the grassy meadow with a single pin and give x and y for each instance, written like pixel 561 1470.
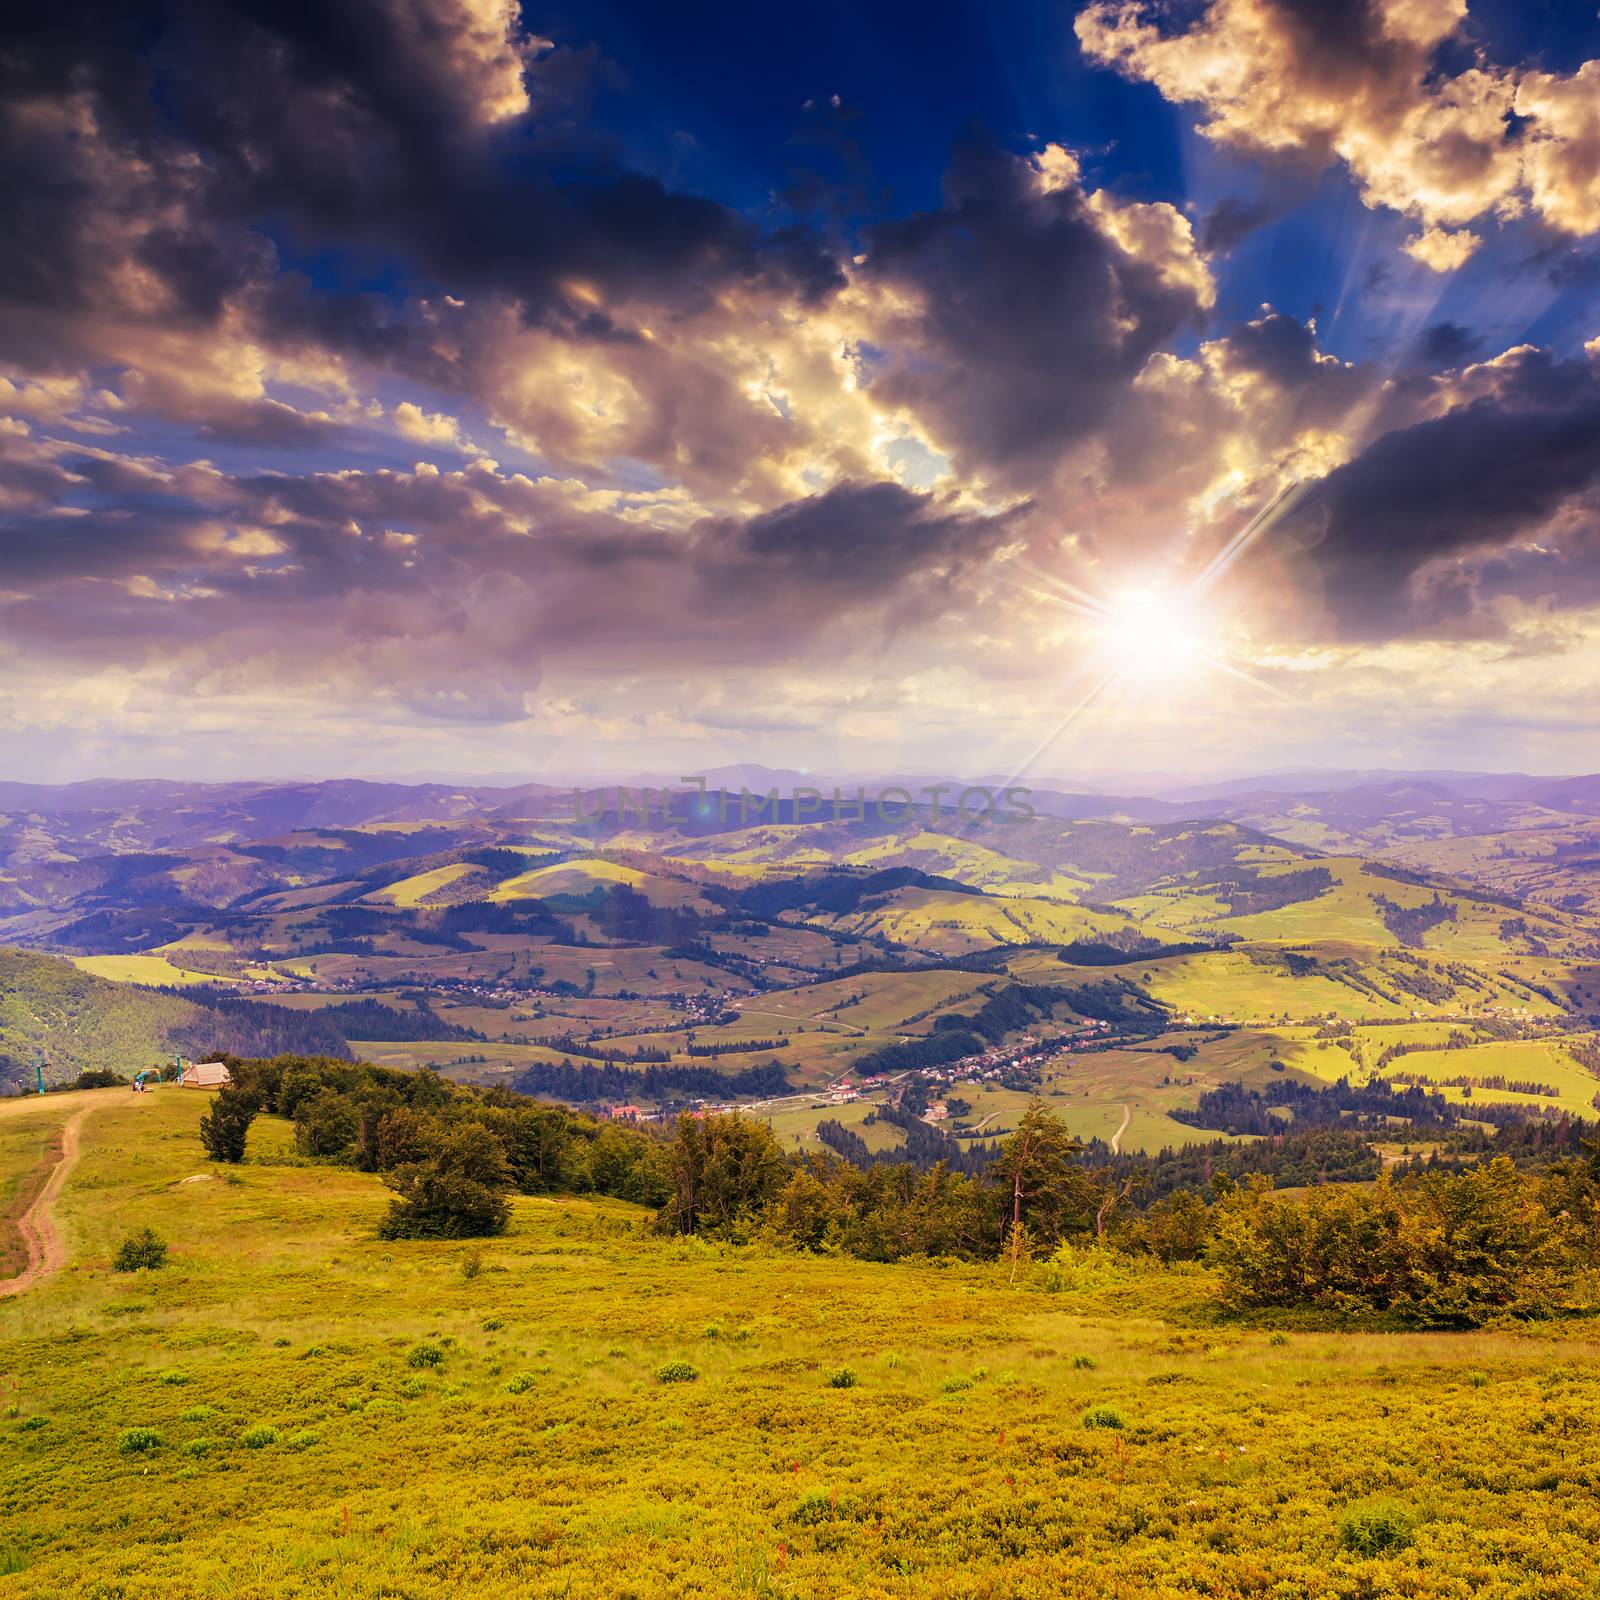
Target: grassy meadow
pixel 292 1407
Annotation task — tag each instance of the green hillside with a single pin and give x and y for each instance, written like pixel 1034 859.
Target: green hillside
pixel 302 1409
pixel 78 1021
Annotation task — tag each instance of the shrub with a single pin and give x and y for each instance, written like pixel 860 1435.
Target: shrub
pixel 197 1447
pixel 173 1376
pixel 677 1372
pixel 1478 1380
pixel 520 1384
pixel 472 1264
pixel 456 1191
pixel 816 1505
pixel 135 1441
pixel 259 1437
pixel 425 1355
pixel 492 1324
pixel 304 1439
pixel 35 1422
pixel 1103 1417
pixel 413 1388
pixel 225 1127
pixel 955 1384
pixel 195 1414
pixel 1084 1363
pixel 1375 1527
pixel 1278 1340
pixel 144 1250
pixel 98 1078
pixel 844 1378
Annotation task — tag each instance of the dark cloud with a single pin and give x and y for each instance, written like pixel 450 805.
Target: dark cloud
pixel 1031 314
pixel 1279 348
pixel 1447 344
pixel 1231 221
pixel 1464 487
pixel 167 133
pixel 859 541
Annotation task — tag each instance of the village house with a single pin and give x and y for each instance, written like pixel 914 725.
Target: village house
pixel 205 1075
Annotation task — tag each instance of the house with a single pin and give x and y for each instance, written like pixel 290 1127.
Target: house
pixel 204 1075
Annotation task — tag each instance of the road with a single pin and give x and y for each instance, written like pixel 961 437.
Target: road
pixel 1116 1138
pixel 47 1252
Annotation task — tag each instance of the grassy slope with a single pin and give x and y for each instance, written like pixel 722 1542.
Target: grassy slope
pixel 79 1020
pixel 956 1467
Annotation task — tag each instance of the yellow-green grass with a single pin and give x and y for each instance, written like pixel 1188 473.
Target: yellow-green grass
pixel 1348 912
pixel 1543 1061
pixel 419 888
pixel 583 876
pixel 956 1465
pixel 616 968
pixel 969 862
pixel 1228 986
pixel 948 923
pixel 466 1061
pixel 873 1002
pixel 796 1124
pixel 149 971
pixel 1091 1089
pixel 30 1128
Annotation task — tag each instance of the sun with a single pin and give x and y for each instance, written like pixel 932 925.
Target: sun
pixel 1152 633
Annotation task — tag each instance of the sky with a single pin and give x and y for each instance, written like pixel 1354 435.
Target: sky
pixel 1045 389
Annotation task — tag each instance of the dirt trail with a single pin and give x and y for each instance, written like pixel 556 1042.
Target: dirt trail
pixel 1116 1138
pixel 47 1253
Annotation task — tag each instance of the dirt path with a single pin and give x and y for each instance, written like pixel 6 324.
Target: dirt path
pixel 47 1253
pixel 1116 1138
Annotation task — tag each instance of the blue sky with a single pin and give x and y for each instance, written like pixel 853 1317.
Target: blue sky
pixel 389 387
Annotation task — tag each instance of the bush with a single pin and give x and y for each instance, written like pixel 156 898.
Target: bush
pixel 226 1126
pixel 304 1439
pixel 35 1422
pixel 173 1376
pixel 135 1441
pixel 99 1078
pixel 677 1372
pixel 1084 1363
pixel 844 1378
pixel 195 1414
pixel 1375 1527
pixel 520 1384
pixel 144 1250
pixel 259 1437
pixel 1103 1417
pixel 456 1191
pixel 425 1355
pixel 492 1324
pixel 197 1447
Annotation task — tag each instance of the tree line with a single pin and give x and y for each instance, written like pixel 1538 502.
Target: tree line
pixel 1429 1247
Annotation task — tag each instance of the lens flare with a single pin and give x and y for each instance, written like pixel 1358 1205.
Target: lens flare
pixel 1152 633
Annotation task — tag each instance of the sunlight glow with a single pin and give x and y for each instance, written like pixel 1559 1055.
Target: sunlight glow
pixel 1152 633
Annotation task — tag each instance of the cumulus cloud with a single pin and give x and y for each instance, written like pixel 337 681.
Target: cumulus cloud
pixel 1013 314
pixel 1361 83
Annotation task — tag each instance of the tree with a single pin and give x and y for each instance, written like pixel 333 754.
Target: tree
pixel 224 1128
pixel 455 1191
pixel 328 1124
pixel 723 1170
pixel 1049 1191
pixel 144 1250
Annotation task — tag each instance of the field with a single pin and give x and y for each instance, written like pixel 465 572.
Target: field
pixel 542 1456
